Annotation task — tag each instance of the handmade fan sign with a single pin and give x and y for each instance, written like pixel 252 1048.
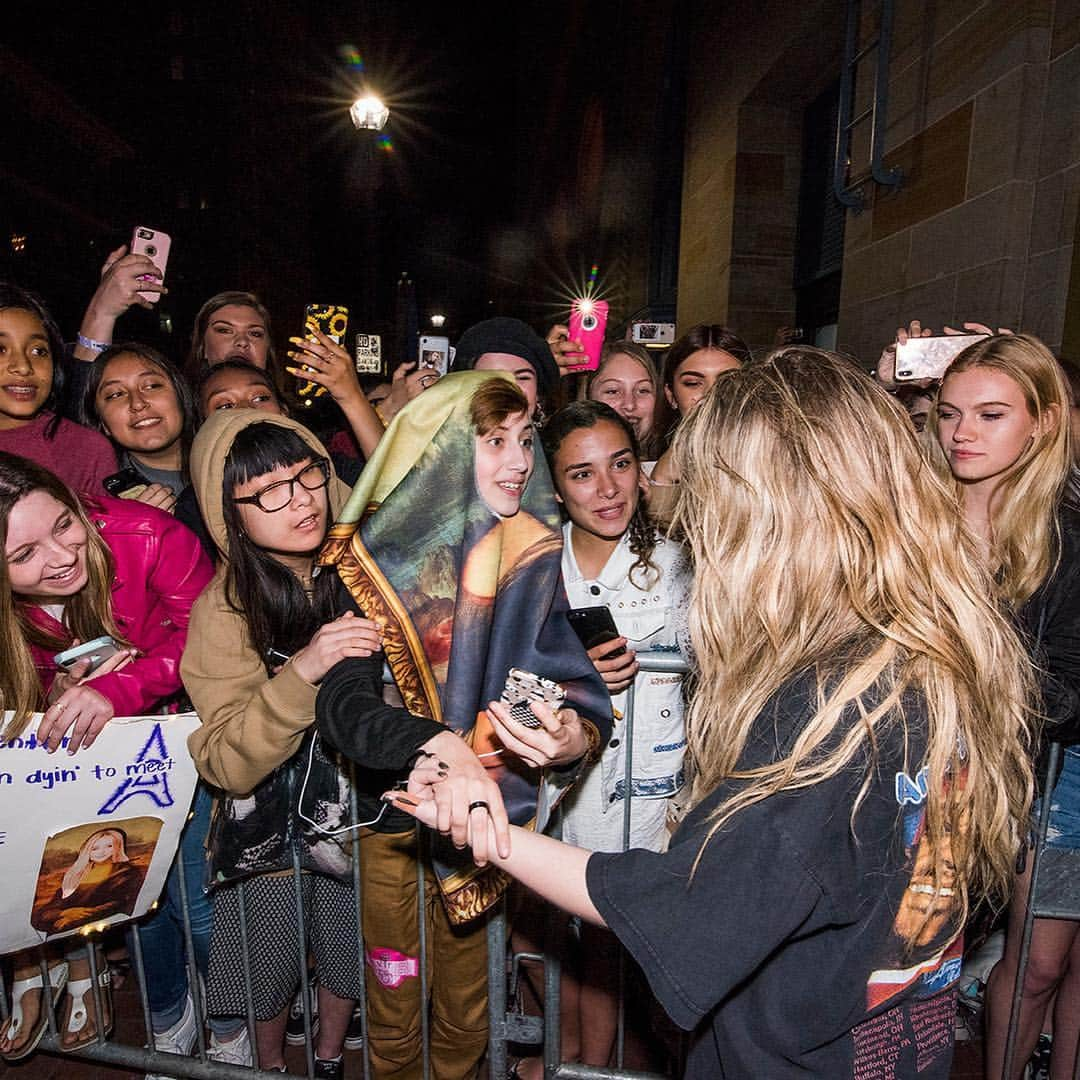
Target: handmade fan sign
pixel 87 839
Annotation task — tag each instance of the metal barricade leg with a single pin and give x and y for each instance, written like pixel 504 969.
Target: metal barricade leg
pixel 358 893
pixel 302 958
pixel 496 943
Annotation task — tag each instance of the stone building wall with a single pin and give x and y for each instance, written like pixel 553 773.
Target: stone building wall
pixel 984 119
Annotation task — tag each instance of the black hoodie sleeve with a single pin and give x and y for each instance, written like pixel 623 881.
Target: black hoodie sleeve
pixel 353 718
pixel 1052 621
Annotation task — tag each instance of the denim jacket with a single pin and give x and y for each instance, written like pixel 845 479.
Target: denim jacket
pixel 646 618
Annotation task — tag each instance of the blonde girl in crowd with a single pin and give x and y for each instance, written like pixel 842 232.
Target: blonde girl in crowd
pixel 627 381
pixel 999 433
pixel 75 569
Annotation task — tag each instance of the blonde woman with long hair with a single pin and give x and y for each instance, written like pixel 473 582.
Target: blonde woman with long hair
pixel 999 433
pixel 859 732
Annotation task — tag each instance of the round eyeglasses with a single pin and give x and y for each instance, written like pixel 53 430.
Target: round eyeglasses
pixel 278 495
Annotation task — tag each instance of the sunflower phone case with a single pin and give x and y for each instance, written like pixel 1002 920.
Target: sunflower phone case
pixel 331 320
pixel 523 687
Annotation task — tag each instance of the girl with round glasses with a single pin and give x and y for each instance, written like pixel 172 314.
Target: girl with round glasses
pixel 264 636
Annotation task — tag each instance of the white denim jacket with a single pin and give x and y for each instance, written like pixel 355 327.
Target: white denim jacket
pixel 646 617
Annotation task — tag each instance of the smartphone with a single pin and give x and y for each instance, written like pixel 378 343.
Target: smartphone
pixel 928 357
pixel 98 651
pixel 588 324
pixel 594 626
pixel 128 483
pixel 523 687
pixel 331 320
pixel 155 245
pixel 435 353
pixel 369 354
pixel 653 333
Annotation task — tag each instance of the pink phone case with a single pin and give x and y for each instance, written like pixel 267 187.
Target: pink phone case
pixel 589 327
pixel 155 246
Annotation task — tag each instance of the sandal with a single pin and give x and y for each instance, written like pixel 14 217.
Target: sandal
pixel 78 1015
pixel 58 977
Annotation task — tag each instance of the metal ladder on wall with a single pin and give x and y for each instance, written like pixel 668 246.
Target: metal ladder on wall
pixel 878 48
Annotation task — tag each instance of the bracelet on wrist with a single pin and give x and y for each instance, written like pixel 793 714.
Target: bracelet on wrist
pixel 594 750
pixel 89 343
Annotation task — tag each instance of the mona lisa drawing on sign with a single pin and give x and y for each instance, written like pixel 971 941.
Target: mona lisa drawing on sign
pixel 92 872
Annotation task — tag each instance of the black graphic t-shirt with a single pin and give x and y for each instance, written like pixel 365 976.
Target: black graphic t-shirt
pixel 784 952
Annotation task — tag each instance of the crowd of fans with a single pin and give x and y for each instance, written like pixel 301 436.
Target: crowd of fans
pixel 874 586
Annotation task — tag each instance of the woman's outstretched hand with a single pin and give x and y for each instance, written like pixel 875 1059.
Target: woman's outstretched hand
pixel 324 362
pixel 450 790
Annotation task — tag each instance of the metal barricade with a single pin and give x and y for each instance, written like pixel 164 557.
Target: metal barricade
pixel 505 1026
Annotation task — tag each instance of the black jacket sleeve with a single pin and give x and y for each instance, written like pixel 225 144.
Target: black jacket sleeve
pixel 187 511
pixel 1051 619
pixel 353 718
pixel 76 380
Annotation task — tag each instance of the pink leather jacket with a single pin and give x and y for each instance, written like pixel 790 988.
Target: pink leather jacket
pixel 160 569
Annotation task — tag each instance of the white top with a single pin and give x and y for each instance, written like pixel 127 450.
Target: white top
pixel 646 617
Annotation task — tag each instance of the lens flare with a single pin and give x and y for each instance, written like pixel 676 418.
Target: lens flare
pixel 571 286
pixel 350 57
pixel 384 142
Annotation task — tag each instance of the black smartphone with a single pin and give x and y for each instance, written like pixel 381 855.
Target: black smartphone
pixel 128 483
pixel 594 626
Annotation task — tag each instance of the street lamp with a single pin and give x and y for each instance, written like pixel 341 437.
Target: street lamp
pixel 368 113
pixel 438 321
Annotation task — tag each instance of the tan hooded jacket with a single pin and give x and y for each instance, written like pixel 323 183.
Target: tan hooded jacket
pixel 251 723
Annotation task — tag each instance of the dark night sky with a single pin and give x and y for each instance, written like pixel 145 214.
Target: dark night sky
pixel 530 140
pixel 267 82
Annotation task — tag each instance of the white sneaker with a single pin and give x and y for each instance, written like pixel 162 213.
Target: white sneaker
pixel 235 1051
pixel 179 1039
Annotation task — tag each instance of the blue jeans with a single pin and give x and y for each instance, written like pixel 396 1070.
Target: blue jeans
pixel 1064 828
pixel 162 935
